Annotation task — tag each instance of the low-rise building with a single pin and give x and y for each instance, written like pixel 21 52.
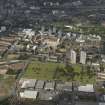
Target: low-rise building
pixel 67 86
pixel 50 85
pixel 101 76
pixel 40 84
pixel 29 83
pixel 29 94
pixel 51 41
pixel 3 71
pixel 89 88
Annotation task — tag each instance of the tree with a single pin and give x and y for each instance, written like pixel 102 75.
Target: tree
pixel 90 71
pixel 69 72
pixel 58 58
pixel 58 71
pixel 82 72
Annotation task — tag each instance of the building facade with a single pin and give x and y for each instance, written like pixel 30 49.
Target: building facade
pixel 73 57
pixel 82 57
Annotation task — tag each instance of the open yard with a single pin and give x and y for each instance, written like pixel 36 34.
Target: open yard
pixel 49 71
pixel 39 70
pixel 12 56
pixel 6 83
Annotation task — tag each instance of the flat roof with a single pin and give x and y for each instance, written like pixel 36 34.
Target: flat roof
pixel 29 83
pixel 29 94
pixel 2 62
pixel 47 95
pixel 4 42
pixel 3 71
pixel 86 88
pixel 88 103
pixel 40 84
pixel 67 86
pixel 50 85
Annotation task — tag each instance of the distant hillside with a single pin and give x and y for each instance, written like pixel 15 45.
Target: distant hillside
pixel 16 12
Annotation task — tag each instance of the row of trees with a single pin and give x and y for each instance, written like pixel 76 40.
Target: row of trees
pixel 70 73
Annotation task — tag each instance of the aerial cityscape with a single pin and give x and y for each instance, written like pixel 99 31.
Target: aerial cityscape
pixel 52 52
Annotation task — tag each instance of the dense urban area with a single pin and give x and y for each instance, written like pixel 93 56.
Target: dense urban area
pixel 52 52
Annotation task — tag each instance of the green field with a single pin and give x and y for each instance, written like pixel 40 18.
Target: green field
pixel 47 71
pixel 39 70
pixel 85 77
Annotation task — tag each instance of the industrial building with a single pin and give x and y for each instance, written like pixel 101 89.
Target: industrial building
pixel 50 85
pixel 29 94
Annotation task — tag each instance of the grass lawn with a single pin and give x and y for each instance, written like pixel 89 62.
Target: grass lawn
pixel 46 71
pixel 85 78
pixel 39 70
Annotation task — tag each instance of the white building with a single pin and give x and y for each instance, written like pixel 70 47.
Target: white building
pixel 54 29
pixel 3 28
pixel 42 29
pixel 50 31
pixel 80 39
pixel 59 33
pixel 49 86
pixel 29 94
pixel 86 88
pixel 82 57
pixel 29 32
pixel 73 56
